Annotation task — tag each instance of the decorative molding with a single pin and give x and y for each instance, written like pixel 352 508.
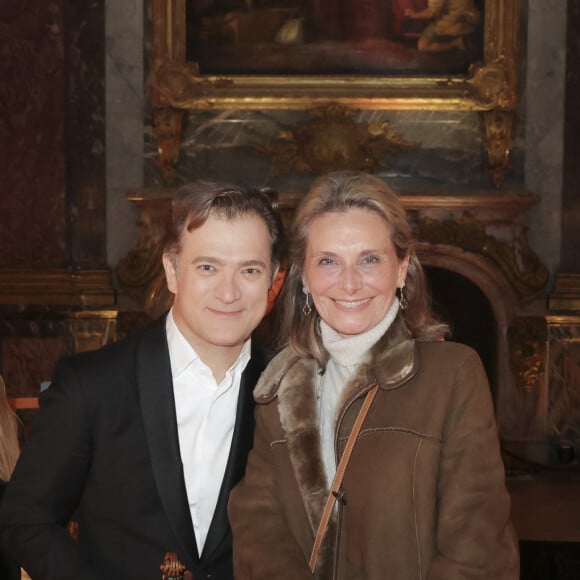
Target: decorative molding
pixel 333 140
pixel 486 224
pixel 489 225
pixel 54 287
pixel 566 294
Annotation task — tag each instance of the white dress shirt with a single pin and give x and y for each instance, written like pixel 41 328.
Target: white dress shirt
pixel 206 415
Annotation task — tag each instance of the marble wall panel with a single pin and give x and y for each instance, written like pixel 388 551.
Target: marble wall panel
pixel 563 420
pixel 32 163
pixel 125 99
pixel 543 106
pixel 84 43
pixel 446 149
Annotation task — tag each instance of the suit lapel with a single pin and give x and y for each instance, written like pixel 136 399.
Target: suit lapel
pixel 155 385
pixel 242 440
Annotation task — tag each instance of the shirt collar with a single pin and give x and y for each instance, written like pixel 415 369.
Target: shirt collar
pixel 182 355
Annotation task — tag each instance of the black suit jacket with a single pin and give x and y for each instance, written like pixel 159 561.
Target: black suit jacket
pixel 9 569
pixel 105 450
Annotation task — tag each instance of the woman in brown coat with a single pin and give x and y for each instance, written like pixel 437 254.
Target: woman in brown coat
pixel 423 495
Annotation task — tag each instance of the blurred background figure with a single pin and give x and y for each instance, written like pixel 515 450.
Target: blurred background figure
pixel 9 451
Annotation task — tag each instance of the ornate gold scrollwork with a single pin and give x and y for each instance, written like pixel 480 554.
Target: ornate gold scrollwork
pixel 176 84
pixel 527 338
pixel 493 85
pixel 167 126
pixel 517 261
pixel 334 140
pixel 498 129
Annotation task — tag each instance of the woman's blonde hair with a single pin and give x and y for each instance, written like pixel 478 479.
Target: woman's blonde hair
pixel 9 447
pixel 340 192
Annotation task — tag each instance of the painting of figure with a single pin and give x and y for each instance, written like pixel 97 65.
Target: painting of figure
pixel 334 37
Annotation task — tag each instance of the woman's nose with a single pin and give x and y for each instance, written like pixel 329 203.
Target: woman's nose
pixel 350 279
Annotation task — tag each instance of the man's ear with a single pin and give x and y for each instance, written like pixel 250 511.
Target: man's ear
pixel 169 265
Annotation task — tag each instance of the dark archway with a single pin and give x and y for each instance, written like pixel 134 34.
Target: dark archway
pixel 463 305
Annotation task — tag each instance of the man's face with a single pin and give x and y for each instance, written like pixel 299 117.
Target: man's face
pixel 220 280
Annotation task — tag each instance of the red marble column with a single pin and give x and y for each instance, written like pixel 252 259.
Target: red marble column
pixel 32 161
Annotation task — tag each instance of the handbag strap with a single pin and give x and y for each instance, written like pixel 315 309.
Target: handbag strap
pixel 334 490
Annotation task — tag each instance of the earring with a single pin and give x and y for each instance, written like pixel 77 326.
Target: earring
pixel 403 302
pixel 306 309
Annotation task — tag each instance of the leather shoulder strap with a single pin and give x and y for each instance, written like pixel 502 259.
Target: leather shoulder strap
pixel 334 490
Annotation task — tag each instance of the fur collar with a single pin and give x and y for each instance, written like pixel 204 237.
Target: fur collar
pixel 390 363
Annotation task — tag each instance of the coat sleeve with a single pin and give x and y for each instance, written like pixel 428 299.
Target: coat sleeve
pixel 475 539
pixel 47 484
pixel 264 546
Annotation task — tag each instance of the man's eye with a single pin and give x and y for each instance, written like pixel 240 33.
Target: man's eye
pixel 252 271
pixel 206 268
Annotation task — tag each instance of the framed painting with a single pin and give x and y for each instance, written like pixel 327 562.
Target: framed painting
pixel 364 54
pixel 394 54
pixel 333 37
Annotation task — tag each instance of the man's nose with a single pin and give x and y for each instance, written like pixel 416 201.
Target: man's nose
pixel 228 289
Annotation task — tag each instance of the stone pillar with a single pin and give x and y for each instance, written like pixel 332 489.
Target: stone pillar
pixel 564 303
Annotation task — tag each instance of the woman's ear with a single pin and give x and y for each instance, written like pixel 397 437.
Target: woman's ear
pixel 403 268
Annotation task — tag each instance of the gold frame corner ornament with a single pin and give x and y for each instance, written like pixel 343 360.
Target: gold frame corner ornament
pixel 490 87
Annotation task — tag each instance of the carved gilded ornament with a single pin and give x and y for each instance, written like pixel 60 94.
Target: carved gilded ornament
pixel 527 339
pixel 334 140
pixel 498 130
pixel 492 85
pixel 519 264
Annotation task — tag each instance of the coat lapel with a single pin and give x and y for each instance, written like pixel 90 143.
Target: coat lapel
pixel 155 385
pixel 242 440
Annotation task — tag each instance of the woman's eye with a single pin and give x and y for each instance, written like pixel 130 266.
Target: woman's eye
pixel 326 261
pixel 372 259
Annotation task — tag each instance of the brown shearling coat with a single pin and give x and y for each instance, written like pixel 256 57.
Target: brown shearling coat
pixel 425 487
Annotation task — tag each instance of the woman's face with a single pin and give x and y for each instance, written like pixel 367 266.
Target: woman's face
pixel 352 269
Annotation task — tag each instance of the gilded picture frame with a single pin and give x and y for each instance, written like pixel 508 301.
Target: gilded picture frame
pixel 489 86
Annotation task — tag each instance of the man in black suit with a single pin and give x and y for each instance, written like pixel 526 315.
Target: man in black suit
pixel 142 440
